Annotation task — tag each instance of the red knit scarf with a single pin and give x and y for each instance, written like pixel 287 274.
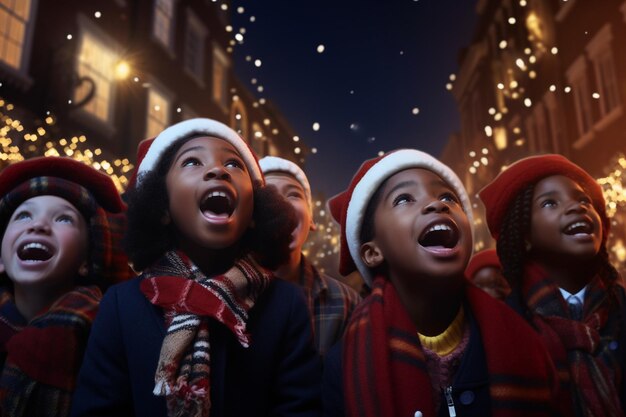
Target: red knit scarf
pixel 190 299
pixel 44 355
pixel 385 367
pixel 581 350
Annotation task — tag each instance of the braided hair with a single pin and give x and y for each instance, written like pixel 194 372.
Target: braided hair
pixel 511 245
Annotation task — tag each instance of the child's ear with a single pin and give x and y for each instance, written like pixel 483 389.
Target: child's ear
pixel 83 270
pixel 371 254
pixel 312 226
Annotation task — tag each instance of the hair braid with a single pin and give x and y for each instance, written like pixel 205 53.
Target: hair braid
pixel 511 243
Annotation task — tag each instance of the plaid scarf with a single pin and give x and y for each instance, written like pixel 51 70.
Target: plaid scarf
pixel 385 367
pixel 190 299
pixel 583 351
pixel 42 357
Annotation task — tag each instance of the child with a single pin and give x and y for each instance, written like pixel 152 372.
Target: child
pixel 205 330
pixel 485 271
pixel 425 342
pixel 548 217
pixel 330 302
pixel 58 255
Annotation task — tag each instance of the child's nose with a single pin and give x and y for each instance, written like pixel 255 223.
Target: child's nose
pixel 576 207
pixel 436 206
pixel 39 226
pixel 217 172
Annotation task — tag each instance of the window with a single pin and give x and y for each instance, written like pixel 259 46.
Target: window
pixel 220 77
pixel 195 33
pixel 96 62
pixel 162 24
pixel 530 133
pixel 239 118
pixel 258 140
pixel 554 121
pixel 14 20
pixel 158 113
pixel 577 78
pixel 541 140
pixel 600 53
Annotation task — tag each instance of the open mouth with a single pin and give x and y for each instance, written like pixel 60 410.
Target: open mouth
pixel 34 252
pixel 217 203
pixel 441 234
pixel 579 227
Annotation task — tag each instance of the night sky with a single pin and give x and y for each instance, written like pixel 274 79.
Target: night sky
pixel 383 61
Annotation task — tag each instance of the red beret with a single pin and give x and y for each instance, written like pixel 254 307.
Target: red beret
pixel 485 258
pixel 498 195
pixel 94 181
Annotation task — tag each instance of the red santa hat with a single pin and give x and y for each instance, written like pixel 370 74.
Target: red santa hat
pixel 271 164
pixel 150 151
pixel 482 259
pixel 348 208
pixel 498 195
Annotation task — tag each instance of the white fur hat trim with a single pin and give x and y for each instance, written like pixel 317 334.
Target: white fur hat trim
pixel 198 126
pixel 271 164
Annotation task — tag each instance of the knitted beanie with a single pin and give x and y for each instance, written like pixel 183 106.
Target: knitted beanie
pixel 151 150
pixel 270 164
pixel 92 193
pixel 482 259
pixel 498 195
pixel 348 208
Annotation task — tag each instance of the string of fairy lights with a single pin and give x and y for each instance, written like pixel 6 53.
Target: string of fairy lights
pixel 19 142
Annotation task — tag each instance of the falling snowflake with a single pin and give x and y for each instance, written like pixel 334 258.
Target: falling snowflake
pixel 320 48
pixel 316 126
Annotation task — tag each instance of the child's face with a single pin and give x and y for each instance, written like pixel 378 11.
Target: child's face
pixel 420 227
pixel 294 194
pixel 45 244
pixel 564 222
pixel 210 195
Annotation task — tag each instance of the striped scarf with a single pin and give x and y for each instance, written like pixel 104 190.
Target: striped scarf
pixel 42 357
pixel 584 352
pixel 385 371
pixel 190 299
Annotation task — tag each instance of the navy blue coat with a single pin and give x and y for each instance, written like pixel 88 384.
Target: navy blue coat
pixel 470 388
pixel 278 375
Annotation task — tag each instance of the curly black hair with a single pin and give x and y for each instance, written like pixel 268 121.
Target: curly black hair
pixel 148 237
pixel 511 244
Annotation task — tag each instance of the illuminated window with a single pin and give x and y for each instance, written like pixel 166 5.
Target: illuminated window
pixel 577 78
pixel 158 113
pixel 239 119
pixel 600 53
pixel 258 140
pixel 541 128
pixel 162 24
pixel 554 117
pixel 195 32
pixel 14 19
pixel 220 77
pixel 96 61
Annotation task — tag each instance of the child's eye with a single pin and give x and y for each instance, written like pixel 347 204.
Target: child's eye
pixel 585 200
pixel 295 195
pixel 22 215
pixel 449 198
pixel 548 203
pixel 190 162
pixel 402 199
pixel 65 218
pixel 233 163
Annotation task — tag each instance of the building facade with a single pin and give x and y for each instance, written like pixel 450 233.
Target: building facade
pixel 543 76
pixel 92 79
